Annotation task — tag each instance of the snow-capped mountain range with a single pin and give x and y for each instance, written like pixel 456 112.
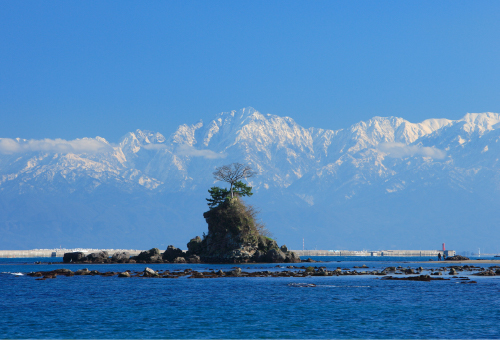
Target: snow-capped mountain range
pixel 386 176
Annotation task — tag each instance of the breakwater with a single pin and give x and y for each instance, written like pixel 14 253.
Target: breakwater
pixel 133 252
pixel 394 253
pixel 59 252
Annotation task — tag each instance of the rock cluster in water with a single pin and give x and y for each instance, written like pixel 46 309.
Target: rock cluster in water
pixel 290 271
pixel 233 237
pixel 456 258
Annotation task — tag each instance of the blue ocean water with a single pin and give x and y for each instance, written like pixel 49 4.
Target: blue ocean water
pixel 338 307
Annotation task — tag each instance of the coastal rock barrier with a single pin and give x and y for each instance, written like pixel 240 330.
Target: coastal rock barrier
pixel 176 255
pixel 289 271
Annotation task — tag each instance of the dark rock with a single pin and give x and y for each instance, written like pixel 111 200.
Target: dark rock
pixel 99 257
pixel 63 271
pixel 73 257
pixel 124 274
pixel 275 256
pixel 265 243
pixel 485 273
pixel 259 256
pixel 121 257
pixel 457 258
pixel 284 248
pixel 232 234
pixel 148 272
pixel 194 259
pixel 453 271
pixel 148 256
pixel 310 270
pixel 389 270
pixel 179 260
pixel 291 257
pixel 195 246
pixel 235 272
pixel 35 274
pixel 83 271
pixel 425 278
pixel 172 253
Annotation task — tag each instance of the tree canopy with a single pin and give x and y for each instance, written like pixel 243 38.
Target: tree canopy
pixel 219 195
pixel 233 173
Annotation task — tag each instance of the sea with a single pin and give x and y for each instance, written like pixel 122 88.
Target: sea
pixel 340 307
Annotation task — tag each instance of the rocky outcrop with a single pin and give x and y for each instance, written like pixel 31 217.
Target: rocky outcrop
pixel 457 258
pixel 233 237
pixel 193 259
pixel 172 253
pixel 179 260
pixel 121 257
pixel 79 257
pixel 195 246
pixel 148 272
pixel 276 256
pixel 100 257
pixel 149 256
pixel 73 257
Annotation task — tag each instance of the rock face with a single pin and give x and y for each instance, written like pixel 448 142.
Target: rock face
pixel 172 253
pixel 73 257
pixel 194 246
pixel 100 257
pixel 233 237
pixel 121 257
pixel 151 255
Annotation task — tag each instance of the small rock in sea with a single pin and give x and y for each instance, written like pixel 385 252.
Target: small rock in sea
pixel 148 272
pixel 124 274
pixel 83 271
pixel 234 272
pixel 456 258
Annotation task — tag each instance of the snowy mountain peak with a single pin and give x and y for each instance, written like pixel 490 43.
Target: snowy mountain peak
pixel 480 122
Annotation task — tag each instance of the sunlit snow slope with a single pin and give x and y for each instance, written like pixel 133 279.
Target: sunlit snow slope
pixel 383 183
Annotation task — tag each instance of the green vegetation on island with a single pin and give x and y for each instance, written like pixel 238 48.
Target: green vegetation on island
pixel 235 234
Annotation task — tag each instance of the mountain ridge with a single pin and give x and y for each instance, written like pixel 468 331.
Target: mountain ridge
pixel 299 168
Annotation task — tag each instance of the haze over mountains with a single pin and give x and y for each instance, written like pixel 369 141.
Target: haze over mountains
pixel 381 184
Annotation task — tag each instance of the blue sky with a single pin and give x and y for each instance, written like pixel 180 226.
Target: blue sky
pixel 73 69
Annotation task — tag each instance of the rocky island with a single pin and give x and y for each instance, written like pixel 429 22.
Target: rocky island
pixel 234 233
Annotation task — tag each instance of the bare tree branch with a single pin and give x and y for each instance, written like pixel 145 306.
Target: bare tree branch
pixel 232 173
